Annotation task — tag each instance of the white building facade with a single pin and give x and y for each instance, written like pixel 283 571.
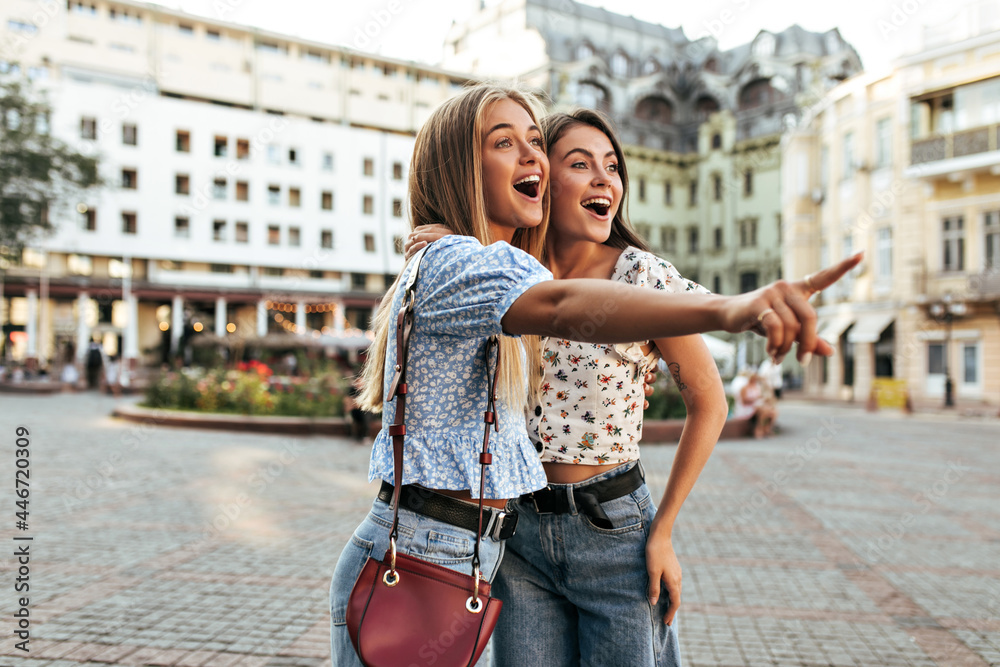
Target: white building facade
pixel 252 182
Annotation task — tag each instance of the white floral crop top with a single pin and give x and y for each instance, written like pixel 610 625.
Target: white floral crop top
pixel 591 399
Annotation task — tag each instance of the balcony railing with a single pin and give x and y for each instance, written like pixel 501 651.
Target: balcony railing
pixel 985 285
pixel 944 147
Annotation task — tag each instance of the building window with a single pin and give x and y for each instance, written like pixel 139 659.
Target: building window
pixel 718 238
pixel 717 284
pixel 619 64
pixel 883 143
pixel 294 237
pixel 326 238
pixel 970 363
pixel 130 134
pixel 748 281
pixel 368 167
pixel 129 223
pixel 221 146
pixel 273 271
pixel 182 184
pixel 953 243
pixel 991 240
pixel 883 253
pixel 242 149
pixel 668 193
pixel 748 234
pixel 693 240
pixel 294 197
pixel 274 195
pixel 359 281
pixel 397 208
pixel 397 171
pixel 182 228
pixel 273 235
pixel 218 230
pixel 81 265
pixel 327 161
pixel 642 189
pixel 668 240
pixel 693 193
pixel 183 141
pixel 717 187
pixel 848 157
pixel 130 179
pixel 716 141
pixel 219 188
pixel 242 232
pixel 220 268
pixel 88 218
pixel 293 157
pixel 273 154
pixel 242 191
pixel 935 358
pixel 368 205
pixel 88 128
pixel 747 182
pixel 369 243
pixel 326 201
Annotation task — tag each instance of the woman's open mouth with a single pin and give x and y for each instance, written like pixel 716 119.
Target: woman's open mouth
pixel 529 185
pixel 599 205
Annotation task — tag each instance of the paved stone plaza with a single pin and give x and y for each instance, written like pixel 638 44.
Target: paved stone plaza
pixel 849 539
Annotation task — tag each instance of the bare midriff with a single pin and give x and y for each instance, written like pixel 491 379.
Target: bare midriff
pixel 466 495
pixel 573 473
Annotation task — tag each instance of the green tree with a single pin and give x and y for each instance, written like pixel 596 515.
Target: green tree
pixel 39 174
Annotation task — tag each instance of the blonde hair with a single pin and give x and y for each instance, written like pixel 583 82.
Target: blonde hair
pixel 447 187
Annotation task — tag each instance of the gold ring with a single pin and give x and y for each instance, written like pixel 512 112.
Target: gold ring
pixel 809 286
pixel 764 313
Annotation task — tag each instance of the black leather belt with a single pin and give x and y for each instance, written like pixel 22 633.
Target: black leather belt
pixel 588 498
pixel 497 524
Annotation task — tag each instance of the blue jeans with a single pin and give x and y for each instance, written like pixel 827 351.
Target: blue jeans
pixel 426 538
pixel 575 594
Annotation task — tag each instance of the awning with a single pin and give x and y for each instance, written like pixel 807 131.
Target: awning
pixel 870 327
pixel 831 328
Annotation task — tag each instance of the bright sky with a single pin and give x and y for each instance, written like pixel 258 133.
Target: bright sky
pixel 414 29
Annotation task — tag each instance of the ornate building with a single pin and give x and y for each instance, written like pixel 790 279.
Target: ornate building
pixel 701 126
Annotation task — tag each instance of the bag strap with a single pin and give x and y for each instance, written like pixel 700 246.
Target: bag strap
pixel 398 391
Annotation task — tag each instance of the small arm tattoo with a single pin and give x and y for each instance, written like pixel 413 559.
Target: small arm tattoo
pixel 675 371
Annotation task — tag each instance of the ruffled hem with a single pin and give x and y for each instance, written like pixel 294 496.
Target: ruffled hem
pixel 448 461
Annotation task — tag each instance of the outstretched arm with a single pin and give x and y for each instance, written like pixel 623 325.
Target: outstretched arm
pixel 602 311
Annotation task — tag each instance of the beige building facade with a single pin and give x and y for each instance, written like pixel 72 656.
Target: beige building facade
pixel 906 166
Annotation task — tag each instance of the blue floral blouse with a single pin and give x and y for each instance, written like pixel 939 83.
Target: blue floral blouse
pixel 463 291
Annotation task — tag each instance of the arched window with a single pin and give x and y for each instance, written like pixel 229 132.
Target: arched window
pixel 651 66
pixel 706 105
pixel 655 110
pixel 712 65
pixel 764 46
pixel 584 51
pixel 619 64
pixel 758 93
pixel 592 96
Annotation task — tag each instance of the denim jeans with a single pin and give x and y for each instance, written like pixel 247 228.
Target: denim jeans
pixel 420 536
pixel 575 594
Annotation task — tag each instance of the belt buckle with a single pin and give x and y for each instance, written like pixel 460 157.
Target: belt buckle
pixel 497 525
pixel 534 501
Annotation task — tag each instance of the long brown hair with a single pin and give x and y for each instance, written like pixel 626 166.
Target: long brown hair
pixel 446 187
pixel 555 125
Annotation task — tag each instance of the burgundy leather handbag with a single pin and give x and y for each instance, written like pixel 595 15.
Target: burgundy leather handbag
pixel 403 610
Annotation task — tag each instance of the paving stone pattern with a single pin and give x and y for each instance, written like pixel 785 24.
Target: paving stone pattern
pixel 849 539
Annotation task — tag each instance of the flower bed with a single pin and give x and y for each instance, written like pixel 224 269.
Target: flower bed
pixel 250 389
